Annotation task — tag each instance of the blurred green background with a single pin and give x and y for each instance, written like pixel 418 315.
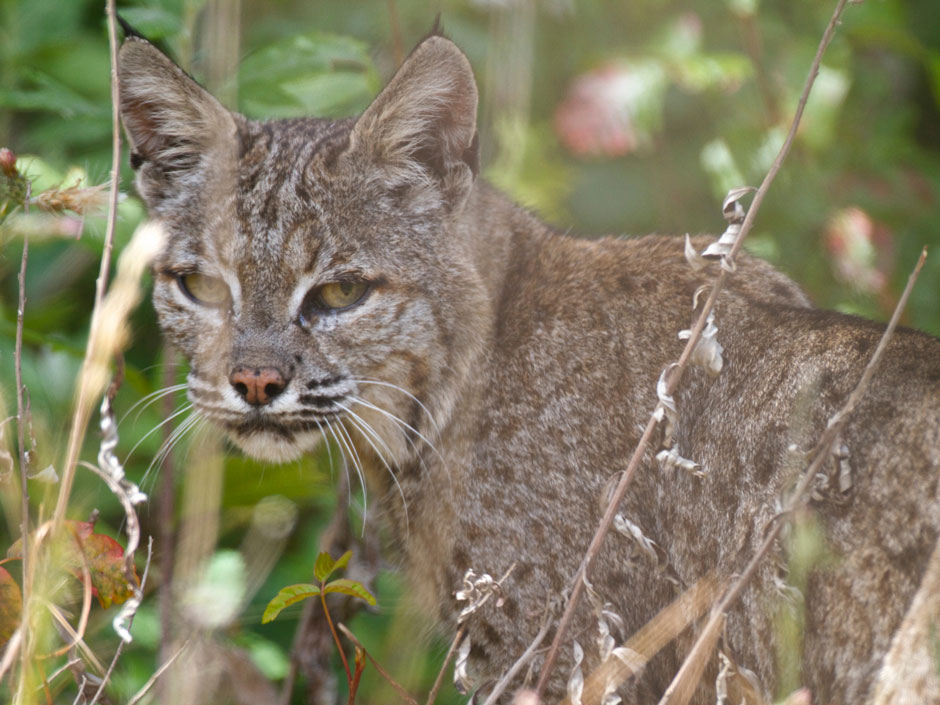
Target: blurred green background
pixel 605 117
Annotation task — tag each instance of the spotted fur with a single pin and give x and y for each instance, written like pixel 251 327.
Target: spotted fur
pixel 495 377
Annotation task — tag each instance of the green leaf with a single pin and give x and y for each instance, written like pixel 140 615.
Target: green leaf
pixel 315 74
pixel 350 587
pixel 152 22
pixel 288 596
pixel 326 566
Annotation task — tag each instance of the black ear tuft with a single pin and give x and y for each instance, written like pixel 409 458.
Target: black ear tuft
pixel 471 155
pixel 437 29
pixel 129 30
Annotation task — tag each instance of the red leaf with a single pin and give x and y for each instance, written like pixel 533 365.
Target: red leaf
pixel 77 546
pixel 11 606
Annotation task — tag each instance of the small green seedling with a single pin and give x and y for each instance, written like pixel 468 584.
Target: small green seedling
pixel 322 570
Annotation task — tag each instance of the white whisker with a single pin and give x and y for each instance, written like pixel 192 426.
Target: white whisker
pixel 367 431
pixel 151 398
pixel 342 454
pixel 343 436
pixel 170 442
pixel 408 394
pixel 405 425
pixel 180 410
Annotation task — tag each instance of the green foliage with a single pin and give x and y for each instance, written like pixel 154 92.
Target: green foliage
pixel 711 87
pixel 323 569
pixel 326 566
pixel 312 74
pixel 288 596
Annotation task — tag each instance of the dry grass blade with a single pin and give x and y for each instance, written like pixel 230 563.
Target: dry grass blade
pixel 76 639
pixel 21 442
pixel 628 660
pixel 78 199
pixel 683 686
pixel 86 390
pixel 109 334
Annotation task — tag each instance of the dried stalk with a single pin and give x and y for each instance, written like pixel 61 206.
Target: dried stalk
pixel 630 659
pixel 678 370
pixel 153 679
pixel 820 454
pixel 166 512
pixel 82 404
pixel 527 655
pixel 21 441
pixel 432 696
pixel 405 695
pixel 122 643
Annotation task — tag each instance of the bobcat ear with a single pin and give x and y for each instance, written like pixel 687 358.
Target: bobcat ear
pixel 423 124
pixel 170 120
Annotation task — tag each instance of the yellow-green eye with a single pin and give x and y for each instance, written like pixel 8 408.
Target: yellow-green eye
pixel 210 291
pixel 337 295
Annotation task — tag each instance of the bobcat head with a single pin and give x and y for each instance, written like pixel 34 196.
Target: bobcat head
pixel 316 274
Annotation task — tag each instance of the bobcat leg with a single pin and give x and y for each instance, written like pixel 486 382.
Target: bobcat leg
pixel 910 673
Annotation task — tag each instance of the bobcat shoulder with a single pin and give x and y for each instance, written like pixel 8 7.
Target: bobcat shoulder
pixel 355 280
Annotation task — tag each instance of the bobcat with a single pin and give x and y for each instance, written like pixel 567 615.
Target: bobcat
pixel 356 280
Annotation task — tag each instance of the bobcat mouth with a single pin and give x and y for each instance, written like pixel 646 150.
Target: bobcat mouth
pixel 267 439
pixel 259 422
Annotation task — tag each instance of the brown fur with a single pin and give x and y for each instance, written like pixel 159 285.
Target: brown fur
pixel 527 363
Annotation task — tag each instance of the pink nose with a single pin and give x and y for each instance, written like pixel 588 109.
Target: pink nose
pixel 257 385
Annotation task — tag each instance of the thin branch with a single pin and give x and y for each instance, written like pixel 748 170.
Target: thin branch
pixel 166 512
pixel 820 454
pixel 527 655
pixel 339 645
pixel 80 418
pixel 676 376
pixel 405 695
pixel 432 696
pixel 159 672
pixel 21 438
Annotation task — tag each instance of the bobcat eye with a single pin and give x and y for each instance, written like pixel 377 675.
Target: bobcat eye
pixel 203 289
pixel 335 296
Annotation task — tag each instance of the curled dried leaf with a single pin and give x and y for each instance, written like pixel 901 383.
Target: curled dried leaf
pixel 671 459
pixel 666 410
pixel 477 590
pixel 576 679
pixel 461 677
pixel 695 260
pixel 734 213
pixel 47 475
pixel 707 352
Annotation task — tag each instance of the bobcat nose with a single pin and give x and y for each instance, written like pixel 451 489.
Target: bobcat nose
pixel 257 385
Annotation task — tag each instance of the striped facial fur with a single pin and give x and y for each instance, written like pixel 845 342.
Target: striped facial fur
pixel 306 279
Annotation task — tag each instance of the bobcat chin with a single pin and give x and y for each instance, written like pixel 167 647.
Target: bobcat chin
pixel 355 280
